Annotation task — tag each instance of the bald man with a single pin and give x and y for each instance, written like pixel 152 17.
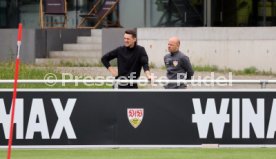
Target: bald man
pixel 178 65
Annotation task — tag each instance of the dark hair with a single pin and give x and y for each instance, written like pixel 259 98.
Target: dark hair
pixel 131 32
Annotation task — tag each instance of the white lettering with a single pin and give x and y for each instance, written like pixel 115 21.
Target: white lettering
pixel 272 122
pixel 236 118
pixel 37 113
pixel 64 119
pixel 5 118
pixel 210 117
pixel 250 117
pixel 38 120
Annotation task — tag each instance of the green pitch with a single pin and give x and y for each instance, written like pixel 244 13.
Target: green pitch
pixel 185 153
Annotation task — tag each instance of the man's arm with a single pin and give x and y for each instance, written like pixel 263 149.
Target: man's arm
pixel 145 63
pixel 188 67
pixel 106 61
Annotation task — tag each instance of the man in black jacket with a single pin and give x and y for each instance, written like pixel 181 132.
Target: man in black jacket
pixel 130 59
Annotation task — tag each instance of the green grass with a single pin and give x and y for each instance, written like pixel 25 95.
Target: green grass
pixel 246 71
pixel 206 68
pixel 82 64
pixel 32 72
pixel 25 71
pixel 186 153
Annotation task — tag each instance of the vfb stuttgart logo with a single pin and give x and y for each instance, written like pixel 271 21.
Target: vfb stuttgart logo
pixel 135 116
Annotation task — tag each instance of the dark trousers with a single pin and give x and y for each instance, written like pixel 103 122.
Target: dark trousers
pixel 127 86
pixel 175 86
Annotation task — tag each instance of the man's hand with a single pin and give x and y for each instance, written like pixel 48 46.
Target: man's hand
pixel 113 71
pixel 148 74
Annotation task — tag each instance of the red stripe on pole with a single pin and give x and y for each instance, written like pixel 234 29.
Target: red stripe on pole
pixel 16 72
pixel 19 35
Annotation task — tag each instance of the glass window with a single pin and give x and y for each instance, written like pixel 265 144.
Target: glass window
pixel 77 8
pixel 3 20
pixel 243 12
pixel 266 12
pixel 9 13
pixel 158 13
pixel 29 13
pixel 174 13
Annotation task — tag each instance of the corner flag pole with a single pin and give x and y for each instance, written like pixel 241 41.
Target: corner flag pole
pixel 17 62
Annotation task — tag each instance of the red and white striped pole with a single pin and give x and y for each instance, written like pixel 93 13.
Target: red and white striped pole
pixel 17 62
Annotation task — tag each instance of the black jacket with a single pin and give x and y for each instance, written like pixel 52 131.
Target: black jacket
pixel 128 60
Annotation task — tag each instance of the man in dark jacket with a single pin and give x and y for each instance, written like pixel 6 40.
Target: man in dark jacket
pixel 130 59
pixel 178 65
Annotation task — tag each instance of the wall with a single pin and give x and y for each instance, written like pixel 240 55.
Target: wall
pixel 8 45
pixel 36 43
pixel 235 48
pixel 112 38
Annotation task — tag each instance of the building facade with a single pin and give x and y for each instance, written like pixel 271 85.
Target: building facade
pixel 153 13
